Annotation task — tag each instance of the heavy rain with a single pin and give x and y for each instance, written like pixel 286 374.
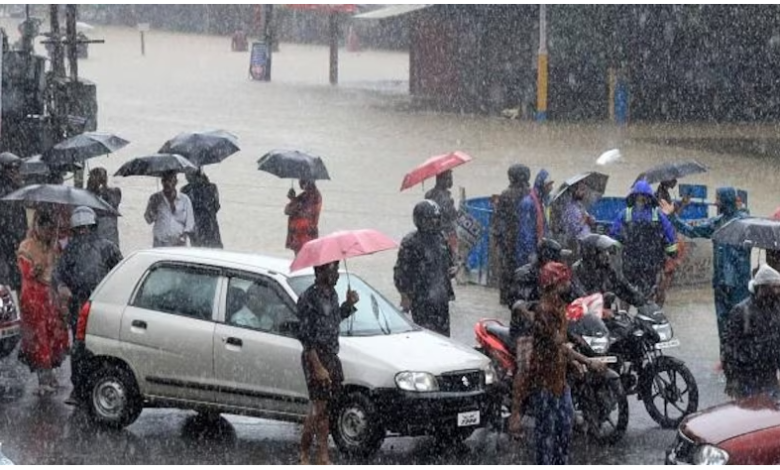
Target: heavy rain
pixel 240 102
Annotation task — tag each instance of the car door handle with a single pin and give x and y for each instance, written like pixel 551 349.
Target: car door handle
pixel 234 341
pixel 139 324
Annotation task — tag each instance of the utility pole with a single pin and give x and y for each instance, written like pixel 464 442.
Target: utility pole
pixel 57 55
pixel 268 37
pixel 71 39
pixel 542 77
pixel 333 36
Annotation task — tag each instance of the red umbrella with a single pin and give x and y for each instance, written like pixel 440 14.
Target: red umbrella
pixel 433 166
pixel 340 246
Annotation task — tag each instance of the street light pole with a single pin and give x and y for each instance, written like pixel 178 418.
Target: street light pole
pixel 542 77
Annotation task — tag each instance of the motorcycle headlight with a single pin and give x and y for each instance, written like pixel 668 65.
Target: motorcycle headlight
pixel 490 375
pixel 664 331
pixel 416 382
pixel 710 455
pixel 599 345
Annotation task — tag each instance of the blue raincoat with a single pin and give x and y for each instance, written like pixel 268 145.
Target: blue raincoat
pixel 731 264
pixel 528 233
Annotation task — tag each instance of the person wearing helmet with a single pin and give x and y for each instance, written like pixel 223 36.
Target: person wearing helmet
pixel 506 226
pixel 87 259
pixel 424 269
pixel 596 272
pixel 526 286
pixel 441 195
pixel 647 237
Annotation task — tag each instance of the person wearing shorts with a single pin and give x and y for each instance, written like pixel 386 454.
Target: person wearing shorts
pixel 320 315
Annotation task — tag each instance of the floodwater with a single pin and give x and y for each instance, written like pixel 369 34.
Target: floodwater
pixel 370 134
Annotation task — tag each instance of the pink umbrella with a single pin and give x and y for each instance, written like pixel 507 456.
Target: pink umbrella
pixel 433 166
pixel 340 246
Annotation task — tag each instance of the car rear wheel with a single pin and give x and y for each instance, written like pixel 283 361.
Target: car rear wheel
pixel 356 426
pixel 114 399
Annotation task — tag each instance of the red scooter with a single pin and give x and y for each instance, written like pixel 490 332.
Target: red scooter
pixel 600 403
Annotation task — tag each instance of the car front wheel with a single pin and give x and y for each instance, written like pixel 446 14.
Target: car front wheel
pixel 356 426
pixel 114 400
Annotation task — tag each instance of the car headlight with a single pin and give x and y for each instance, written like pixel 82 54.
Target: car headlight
pixel 710 455
pixel 416 382
pixel 599 344
pixel 490 375
pixel 664 331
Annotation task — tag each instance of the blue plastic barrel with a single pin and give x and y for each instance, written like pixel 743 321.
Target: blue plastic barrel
pixel 481 208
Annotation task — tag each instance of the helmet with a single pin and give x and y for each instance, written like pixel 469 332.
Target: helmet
pixel 549 250
pixel 427 216
pixel 82 216
pixel 597 247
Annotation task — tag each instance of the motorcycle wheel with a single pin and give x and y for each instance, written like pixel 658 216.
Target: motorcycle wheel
pixel 606 420
pixel 671 392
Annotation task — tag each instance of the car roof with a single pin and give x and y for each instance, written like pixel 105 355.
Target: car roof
pixel 226 259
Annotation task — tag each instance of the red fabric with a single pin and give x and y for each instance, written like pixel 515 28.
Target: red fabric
pixel 44 332
pixel 304 219
pixel 554 273
pixel 776 215
pixel 539 216
pixel 433 166
pixel 341 245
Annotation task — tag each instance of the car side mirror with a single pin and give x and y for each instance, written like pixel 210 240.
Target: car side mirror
pixel 290 328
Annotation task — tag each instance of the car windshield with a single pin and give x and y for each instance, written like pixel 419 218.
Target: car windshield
pixel 375 314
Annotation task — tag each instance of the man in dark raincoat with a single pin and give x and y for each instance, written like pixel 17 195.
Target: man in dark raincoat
pixel 13 224
pixel 647 236
pixel 87 259
pixel 751 343
pixel 507 225
pixel 441 195
pixel 595 272
pixel 534 218
pixel 731 263
pixel 424 269
pixel 97 184
pixel 205 204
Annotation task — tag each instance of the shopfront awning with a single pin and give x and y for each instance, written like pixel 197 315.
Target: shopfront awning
pixel 390 12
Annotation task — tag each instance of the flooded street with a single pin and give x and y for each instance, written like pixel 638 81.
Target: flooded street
pixel 369 135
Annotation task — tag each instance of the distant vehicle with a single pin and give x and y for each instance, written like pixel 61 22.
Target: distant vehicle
pixel 159 332
pixel 744 432
pixel 10 329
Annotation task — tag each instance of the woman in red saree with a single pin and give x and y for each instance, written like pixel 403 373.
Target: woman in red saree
pixel 44 332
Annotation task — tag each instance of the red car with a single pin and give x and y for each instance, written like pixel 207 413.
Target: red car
pixel 744 432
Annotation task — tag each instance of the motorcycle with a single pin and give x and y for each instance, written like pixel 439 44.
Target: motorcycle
pixel 600 403
pixel 639 343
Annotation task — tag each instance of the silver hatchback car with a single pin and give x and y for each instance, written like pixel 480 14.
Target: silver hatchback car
pixel 215 331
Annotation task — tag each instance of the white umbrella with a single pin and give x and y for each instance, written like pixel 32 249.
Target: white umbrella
pixel 84 26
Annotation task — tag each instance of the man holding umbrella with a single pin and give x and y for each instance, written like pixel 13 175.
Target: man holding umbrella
pixel 171 213
pixel 320 316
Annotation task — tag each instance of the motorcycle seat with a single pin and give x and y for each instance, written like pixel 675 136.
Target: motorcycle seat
pixel 502 333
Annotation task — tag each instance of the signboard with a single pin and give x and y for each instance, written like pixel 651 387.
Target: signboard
pixel 143 27
pixel 258 61
pixel 469 230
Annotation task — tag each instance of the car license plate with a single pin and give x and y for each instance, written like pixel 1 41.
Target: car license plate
pixel 470 418
pixel 668 344
pixel 606 359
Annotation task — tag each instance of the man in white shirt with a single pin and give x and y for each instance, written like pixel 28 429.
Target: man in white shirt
pixel 171 213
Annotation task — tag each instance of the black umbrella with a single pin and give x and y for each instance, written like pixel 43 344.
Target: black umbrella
pixel 8 158
pixel 595 182
pixel 293 164
pixel 156 165
pixel 61 195
pixel 35 166
pixel 203 148
pixel 671 171
pixel 750 232
pixel 83 147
